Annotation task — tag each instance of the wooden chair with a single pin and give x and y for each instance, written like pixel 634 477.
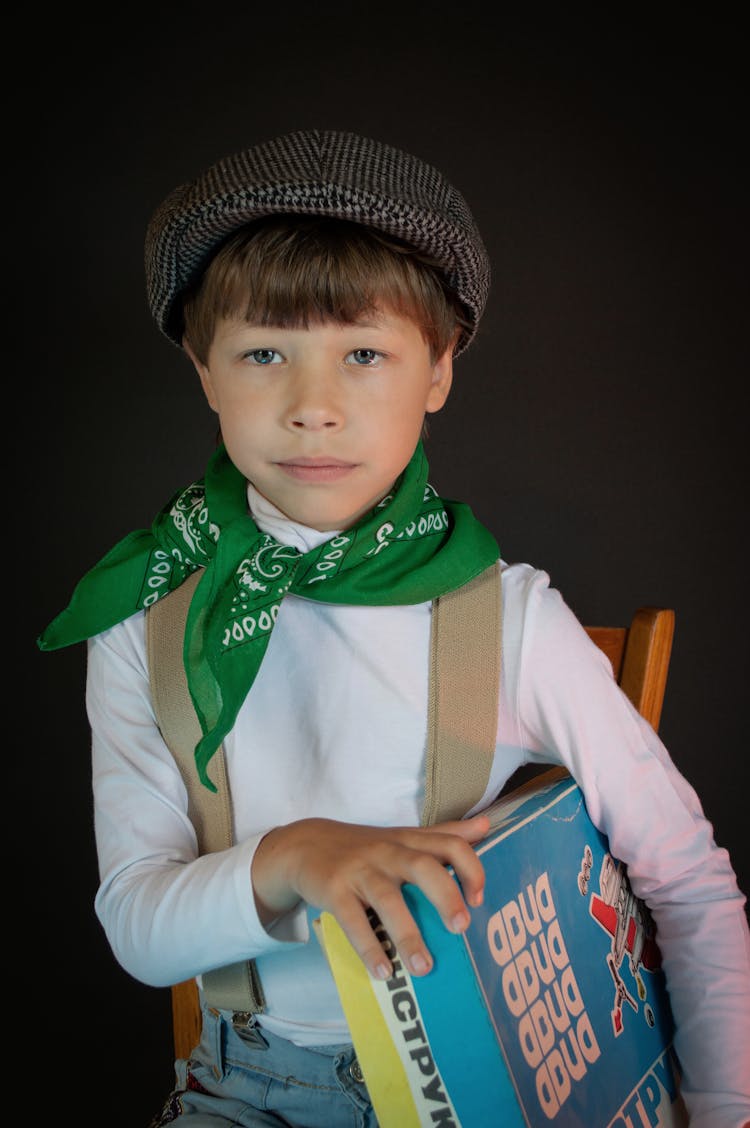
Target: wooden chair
pixel 639 655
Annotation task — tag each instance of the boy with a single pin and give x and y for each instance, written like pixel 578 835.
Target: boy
pixel 322 284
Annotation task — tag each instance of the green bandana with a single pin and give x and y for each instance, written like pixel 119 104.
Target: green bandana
pixel 410 548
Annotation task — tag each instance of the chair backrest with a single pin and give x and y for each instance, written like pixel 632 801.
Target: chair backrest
pixel 640 657
pixel 639 654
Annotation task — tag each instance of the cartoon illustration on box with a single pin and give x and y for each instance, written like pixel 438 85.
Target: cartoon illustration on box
pixel 630 926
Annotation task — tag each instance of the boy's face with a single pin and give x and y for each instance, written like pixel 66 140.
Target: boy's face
pixel 323 420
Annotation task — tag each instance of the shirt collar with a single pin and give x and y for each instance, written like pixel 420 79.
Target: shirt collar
pixel 271 520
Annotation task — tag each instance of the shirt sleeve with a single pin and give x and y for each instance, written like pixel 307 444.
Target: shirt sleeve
pixel 153 884
pixel 571 711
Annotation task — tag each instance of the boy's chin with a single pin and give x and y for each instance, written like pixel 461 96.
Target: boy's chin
pixel 321 518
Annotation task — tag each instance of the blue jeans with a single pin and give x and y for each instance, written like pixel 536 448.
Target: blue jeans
pixel 240 1076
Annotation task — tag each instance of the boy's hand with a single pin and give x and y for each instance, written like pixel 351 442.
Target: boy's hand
pixel 346 869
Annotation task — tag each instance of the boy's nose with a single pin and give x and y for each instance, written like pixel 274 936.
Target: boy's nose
pixel 314 403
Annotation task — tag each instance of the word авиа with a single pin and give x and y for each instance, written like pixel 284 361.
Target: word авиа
pixel 541 992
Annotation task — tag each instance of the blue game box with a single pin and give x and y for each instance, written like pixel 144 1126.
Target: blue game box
pixel 550 1010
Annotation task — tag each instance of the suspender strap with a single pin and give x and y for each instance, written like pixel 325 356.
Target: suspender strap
pixel 210 812
pixel 237 986
pixel 464 681
pixel 465 647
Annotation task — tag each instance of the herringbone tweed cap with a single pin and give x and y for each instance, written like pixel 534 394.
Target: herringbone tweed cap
pixel 314 173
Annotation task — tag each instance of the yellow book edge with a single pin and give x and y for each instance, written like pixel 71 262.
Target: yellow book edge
pixel 381 1065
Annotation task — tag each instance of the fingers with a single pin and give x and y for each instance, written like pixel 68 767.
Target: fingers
pixel 442 891
pixel 471 830
pixel 348 869
pixel 450 843
pixel 380 937
pixel 418 859
pixel 359 927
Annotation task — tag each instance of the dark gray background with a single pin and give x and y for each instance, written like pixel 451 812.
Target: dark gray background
pixel 597 425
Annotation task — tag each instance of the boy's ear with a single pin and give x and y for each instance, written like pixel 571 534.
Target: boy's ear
pixel 442 378
pixel 205 375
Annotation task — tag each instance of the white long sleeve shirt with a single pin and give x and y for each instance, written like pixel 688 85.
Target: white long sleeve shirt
pixel 335 726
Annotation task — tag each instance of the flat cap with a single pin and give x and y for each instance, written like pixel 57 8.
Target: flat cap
pixel 316 172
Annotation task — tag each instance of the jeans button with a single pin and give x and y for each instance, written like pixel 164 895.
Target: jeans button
pixel 355 1072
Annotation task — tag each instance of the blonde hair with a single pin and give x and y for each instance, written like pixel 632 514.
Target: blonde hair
pixel 293 271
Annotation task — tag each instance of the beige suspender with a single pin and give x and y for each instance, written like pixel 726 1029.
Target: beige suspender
pixel 464 685
pixel 210 813
pixel 464 688
pixel 236 986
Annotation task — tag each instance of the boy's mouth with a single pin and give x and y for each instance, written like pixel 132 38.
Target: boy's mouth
pixel 320 469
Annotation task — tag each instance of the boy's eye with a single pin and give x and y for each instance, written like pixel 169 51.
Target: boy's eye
pixel 364 357
pixel 263 356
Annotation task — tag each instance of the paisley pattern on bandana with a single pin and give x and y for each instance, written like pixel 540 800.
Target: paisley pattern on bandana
pixel 192 542
pixel 268 572
pixel 411 547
